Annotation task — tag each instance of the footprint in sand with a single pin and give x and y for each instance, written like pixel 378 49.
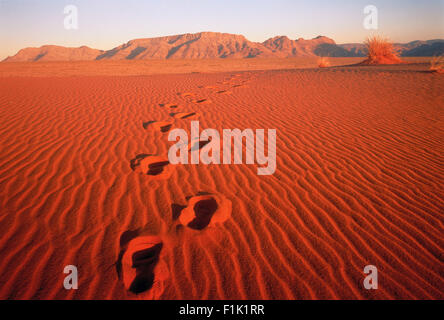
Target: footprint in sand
pixel 194 144
pixel 140 265
pixel 163 126
pixel 184 115
pixel 168 105
pixel 203 210
pixel 202 101
pixel 156 167
pixel 223 92
pixel 198 144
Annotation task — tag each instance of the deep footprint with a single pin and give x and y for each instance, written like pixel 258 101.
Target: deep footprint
pixel 145 261
pixel 168 105
pixel 139 265
pixel 202 101
pixel 197 145
pixel 183 115
pixel 205 210
pixel 223 92
pixel 163 126
pixel 153 166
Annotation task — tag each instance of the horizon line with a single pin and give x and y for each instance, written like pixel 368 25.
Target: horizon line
pixel 219 32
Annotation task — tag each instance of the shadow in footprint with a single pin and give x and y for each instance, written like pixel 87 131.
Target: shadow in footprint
pixel 144 261
pixel 137 262
pixel 202 101
pixel 134 163
pixel 183 115
pixel 168 105
pixel 223 92
pixel 150 165
pixel 199 145
pixel 156 168
pixel 162 126
pixel 166 128
pixel 147 123
pixel 176 210
pixel 125 238
pixel 204 210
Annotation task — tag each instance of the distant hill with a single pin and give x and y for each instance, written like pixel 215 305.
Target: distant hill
pixel 204 45
pixel 426 50
pixel 209 45
pixel 284 47
pixel 55 53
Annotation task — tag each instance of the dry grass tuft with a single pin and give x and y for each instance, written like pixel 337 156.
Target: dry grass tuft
pixel 323 62
pixel 380 51
pixel 437 64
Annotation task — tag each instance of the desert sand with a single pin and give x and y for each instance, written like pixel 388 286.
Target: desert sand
pixel 84 181
pixel 155 67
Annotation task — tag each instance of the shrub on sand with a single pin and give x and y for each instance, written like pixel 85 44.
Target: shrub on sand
pixel 380 51
pixel 323 62
pixel 437 64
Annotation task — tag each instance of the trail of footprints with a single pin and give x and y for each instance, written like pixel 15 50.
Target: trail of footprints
pixel 140 264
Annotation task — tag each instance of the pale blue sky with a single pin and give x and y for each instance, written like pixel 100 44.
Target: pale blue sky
pixel 104 24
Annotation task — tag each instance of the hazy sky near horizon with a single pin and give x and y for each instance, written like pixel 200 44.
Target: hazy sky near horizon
pixel 104 24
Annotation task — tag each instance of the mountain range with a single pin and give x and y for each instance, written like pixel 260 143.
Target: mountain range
pixel 207 45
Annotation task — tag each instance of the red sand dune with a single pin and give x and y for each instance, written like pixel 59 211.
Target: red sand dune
pixel 359 181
